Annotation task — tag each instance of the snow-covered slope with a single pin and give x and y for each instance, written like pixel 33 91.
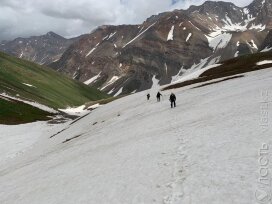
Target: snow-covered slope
pixel 134 151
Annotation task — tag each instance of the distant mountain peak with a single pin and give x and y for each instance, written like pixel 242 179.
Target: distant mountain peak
pixel 260 3
pixel 43 49
pixel 217 3
pixel 54 35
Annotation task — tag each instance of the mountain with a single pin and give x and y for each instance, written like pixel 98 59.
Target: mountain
pixel 43 49
pixel 267 43
pixel 130 58
pixel 23 83
pixel 134 151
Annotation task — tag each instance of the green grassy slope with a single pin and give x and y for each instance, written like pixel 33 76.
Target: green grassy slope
pixel 13 112
pixel 50 88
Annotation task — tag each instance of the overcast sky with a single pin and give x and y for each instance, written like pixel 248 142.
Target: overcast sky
pixel 24 18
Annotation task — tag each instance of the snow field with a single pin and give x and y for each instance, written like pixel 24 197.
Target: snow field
pixel 136 151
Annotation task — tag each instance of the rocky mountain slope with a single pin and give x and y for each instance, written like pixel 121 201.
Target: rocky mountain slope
pixel 43 49
pixel 126 59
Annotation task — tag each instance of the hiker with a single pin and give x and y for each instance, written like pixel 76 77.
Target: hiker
pixel 148 96
pixel 172 99
pixel 159 96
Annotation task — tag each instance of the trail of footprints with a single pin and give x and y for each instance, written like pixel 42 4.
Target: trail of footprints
pixel 178 176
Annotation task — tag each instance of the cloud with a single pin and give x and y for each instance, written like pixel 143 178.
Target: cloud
pixel 71 18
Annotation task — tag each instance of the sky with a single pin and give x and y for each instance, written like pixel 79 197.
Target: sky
pixel 70 18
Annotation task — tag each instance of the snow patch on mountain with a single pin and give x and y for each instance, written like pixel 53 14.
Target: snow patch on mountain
pixel 194 26
pixel 264 62
pixel 171 34
pixel 118 92
pixel 92 50
pixel 76 73
pixel 4 98
pixel 111 81
pixel 214 60
pixel 201 64
pixel 230 26
pixel 155 84
pixel 252 44
pixel 135 38
pixel 196 74
pixel 259 27
pixel 111 35
pixel 204 63
pixel 111 91
pixel 218 40
pixel 249 16
pixel 141 29
pixel 29 85
pixel 188 37
pixel 32 103
pixel 178 75
pixel 242 26
pixel 91 80
pixel 78 111
pixel 166 68
pixel 267 49
pixel 105 37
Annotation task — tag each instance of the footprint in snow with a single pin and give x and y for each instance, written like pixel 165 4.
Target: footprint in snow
pixel 173 199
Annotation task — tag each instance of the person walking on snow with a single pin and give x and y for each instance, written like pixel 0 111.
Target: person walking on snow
pixel 172 99
pixel 148 96
pixel 159 96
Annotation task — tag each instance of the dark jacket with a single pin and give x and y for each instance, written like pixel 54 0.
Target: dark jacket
pixel 172 97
